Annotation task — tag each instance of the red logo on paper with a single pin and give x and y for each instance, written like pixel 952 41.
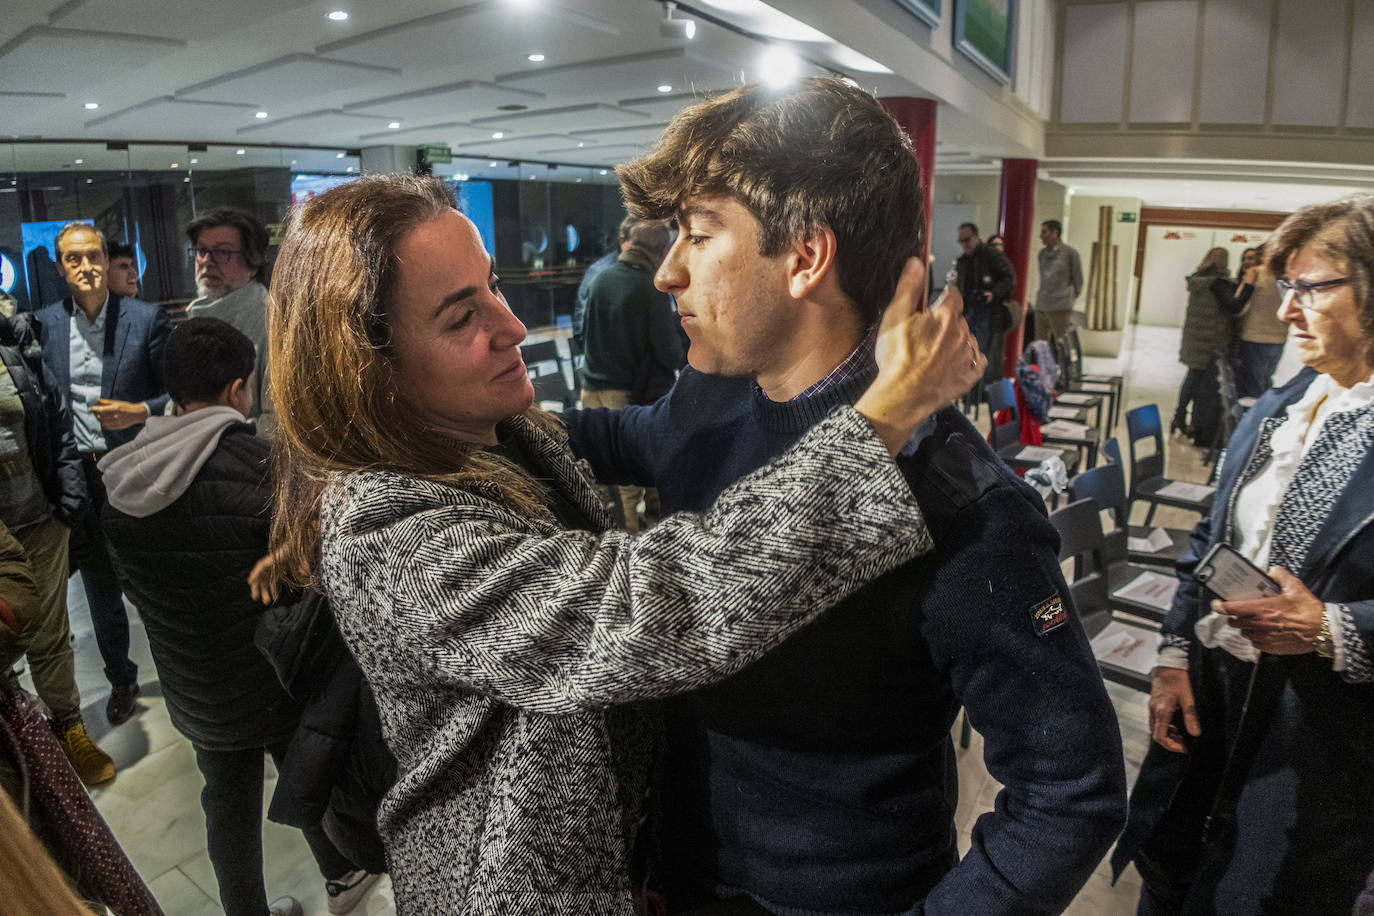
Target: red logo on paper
pixel 1172 235
pixel 1239 238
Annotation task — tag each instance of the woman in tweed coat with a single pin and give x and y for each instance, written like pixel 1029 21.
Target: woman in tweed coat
pixel 505 630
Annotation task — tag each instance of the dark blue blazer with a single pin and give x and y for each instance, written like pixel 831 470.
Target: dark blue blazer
pixel 1294 823
pixel 135 333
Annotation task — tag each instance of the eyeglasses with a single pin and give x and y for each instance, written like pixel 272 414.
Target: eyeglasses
pixel 218 255
pixel 1303 291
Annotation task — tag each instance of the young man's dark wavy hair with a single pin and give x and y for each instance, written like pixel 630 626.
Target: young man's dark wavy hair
pixel 252 235
pixel 826 154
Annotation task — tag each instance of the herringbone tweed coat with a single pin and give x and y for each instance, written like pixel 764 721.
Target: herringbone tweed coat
pixel 502 649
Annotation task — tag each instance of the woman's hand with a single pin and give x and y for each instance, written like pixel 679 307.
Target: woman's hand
pixel 925 360
pixel 263 582
pixel 1170 691
pixel 1250 276
pixel 1285 624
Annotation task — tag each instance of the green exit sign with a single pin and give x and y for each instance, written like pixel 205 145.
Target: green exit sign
pixel 438 155
pixel 1125 217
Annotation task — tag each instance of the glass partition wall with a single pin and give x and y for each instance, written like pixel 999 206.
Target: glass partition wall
pixel 543 222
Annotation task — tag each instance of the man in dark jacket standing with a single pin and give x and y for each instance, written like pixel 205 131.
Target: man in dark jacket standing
pixel 107 351
pixel 986 280
pixel 633 343
pixel 203 464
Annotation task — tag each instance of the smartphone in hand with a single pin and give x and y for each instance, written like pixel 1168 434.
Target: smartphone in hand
pixel 1231 577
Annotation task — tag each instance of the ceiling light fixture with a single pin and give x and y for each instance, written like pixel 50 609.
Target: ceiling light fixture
pixel 336 15
pixel 497 135
pixel 665 88
pixel 293 162
pixel 195 161
pixel 676 28
pixel 491 165
pixel 394 125
pixel 349 169
pixel 239 152
pixel 259 115
pixel 536 58
pixel 779 67
pixel 605 172
pixel 92 106
pixel 78 161
pixel 338 155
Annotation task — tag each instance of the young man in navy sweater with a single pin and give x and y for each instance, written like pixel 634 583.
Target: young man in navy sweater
pixel 822 779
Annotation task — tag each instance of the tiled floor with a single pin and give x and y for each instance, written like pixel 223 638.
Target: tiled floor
pixel 153 806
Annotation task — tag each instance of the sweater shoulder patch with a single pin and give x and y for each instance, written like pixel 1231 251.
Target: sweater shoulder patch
pixel 1048 615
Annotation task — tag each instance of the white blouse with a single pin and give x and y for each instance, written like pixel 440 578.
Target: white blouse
pixel 1257 507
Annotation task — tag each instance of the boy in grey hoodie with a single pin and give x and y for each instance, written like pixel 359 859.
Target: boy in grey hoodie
pixel 189 511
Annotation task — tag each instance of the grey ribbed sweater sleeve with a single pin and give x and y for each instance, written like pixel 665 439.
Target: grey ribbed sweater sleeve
pixel 553 621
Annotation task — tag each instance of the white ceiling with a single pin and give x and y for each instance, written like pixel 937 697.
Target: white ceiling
pixel 457 72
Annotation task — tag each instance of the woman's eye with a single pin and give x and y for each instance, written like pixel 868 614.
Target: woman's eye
pixel 696 239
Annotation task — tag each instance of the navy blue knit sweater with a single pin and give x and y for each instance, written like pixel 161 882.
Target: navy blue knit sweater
pixel 822 779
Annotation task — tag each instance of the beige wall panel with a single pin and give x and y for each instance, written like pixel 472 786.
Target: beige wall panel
pixel 1360 111
pixel 1309 69
pixel 1162 68
pixel 1094 74
pixel 1235 62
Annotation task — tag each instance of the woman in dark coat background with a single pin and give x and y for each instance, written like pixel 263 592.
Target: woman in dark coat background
pixel 1258 796
pixel 1214 299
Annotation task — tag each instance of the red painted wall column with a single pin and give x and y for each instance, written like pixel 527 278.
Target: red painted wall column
pixel 1015 223
pixel 917 118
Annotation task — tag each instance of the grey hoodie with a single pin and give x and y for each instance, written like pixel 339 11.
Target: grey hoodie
pixel 150 473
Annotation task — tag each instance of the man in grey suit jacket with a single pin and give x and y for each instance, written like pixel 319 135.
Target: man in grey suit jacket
pixel 107 351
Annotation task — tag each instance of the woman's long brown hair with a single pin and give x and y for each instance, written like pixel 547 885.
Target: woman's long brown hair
pixel 331 376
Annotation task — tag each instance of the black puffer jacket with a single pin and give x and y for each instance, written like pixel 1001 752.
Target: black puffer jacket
pixel 47 418
pixel 338 766
pixel 186 568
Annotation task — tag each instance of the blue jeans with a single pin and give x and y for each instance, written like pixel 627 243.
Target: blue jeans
pixel 1255 374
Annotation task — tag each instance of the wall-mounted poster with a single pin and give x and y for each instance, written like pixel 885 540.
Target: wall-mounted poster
pixel 928 11
pixel 983 30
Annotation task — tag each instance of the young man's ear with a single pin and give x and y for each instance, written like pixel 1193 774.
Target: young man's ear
pixel 233 394
pixel 811 262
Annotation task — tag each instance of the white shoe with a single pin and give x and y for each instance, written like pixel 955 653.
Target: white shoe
pixel 346 893
pixel 285 906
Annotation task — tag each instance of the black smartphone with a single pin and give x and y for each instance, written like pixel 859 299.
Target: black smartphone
pixel 1231 577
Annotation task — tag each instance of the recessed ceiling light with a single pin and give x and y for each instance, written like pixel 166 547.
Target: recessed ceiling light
pixel 194 161
pixel 491 165
pixel 336 15
pixel 259 115
pixel 78 161
pixel 779 67
pixel 580 144
pixel 293 162
pixel 394 125
pixel 349 169
pixel 531 178
pixel 497 135
pixel 604 171
pixel 338 155
pixel 239 152
pixel 92 106
pixel 665 88
pixel 536 57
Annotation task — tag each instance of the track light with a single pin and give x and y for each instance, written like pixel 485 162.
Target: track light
pixel 675 28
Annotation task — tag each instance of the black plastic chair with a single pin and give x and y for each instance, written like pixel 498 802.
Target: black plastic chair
pixel 545 367
pixel 1005 438
pixel 1147 473
pixel 1080 540
pixel 1110 492
pixel 1109 385
pixel 1106 488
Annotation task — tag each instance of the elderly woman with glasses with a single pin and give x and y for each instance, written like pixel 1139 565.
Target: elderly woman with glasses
pixel 1258 795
